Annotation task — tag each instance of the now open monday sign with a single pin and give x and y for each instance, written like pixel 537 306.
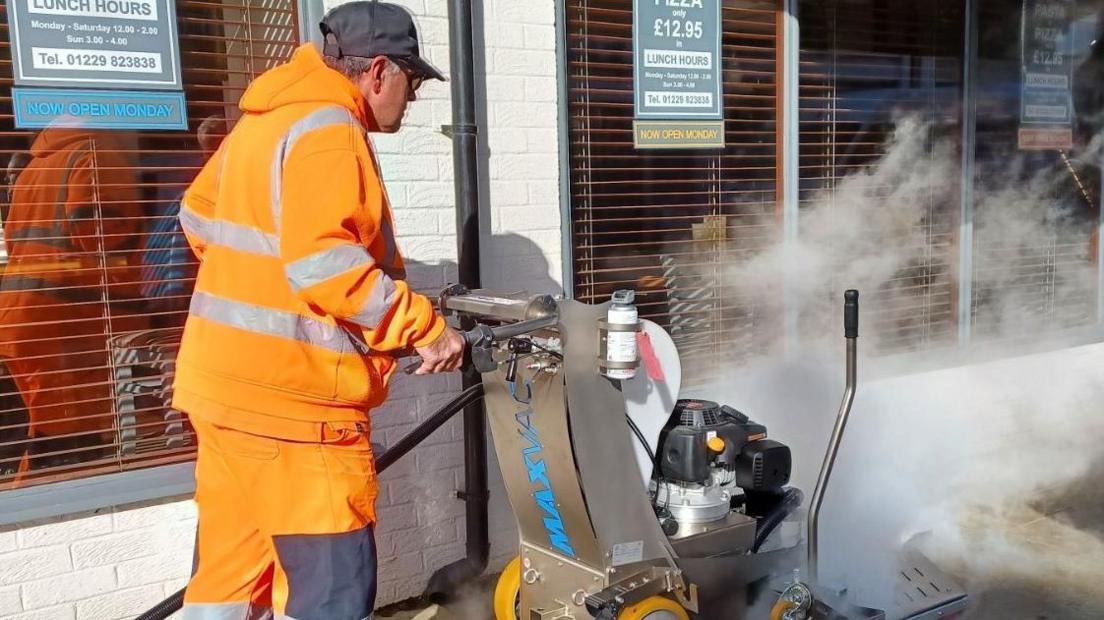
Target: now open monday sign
pixel 112 64
pixel 677 74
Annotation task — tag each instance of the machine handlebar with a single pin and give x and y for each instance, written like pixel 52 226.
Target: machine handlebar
pixel 851 314
pixel 483 336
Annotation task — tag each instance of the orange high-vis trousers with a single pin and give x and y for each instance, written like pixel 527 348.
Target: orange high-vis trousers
pixel 285 527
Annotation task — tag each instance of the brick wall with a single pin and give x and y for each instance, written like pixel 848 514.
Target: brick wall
pixel 96 566
pixel 116 563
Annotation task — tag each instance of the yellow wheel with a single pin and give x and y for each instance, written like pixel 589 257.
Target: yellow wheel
pixel 507 596
pixel 654 608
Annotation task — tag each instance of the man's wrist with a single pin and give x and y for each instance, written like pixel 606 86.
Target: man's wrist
pixel 433 333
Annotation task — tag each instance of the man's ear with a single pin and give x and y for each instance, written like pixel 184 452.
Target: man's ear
pixel 376 71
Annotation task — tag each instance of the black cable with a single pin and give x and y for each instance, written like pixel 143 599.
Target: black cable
pixel 652 457
pixel 640 436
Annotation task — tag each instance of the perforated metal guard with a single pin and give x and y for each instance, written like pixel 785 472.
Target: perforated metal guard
pixel 924 592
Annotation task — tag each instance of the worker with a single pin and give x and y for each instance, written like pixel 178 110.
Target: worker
pixel 72 241
pixel 299 311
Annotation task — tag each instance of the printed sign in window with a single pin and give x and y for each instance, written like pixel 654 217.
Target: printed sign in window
pixel 95 43
pixel 1046 102
pixel 677 74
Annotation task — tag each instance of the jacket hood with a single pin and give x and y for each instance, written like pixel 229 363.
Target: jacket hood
pixel 305 79
pixel 53 139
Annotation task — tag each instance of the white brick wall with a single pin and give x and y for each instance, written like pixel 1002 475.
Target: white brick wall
pixel 121 561
pixel 96 566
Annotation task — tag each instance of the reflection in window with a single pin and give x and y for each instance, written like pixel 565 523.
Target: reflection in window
pixel 96 275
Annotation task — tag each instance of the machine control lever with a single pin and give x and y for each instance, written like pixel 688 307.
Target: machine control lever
pixel 851 333
pixel 851 314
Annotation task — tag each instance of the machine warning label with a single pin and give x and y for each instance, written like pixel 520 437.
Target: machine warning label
pixel 628 553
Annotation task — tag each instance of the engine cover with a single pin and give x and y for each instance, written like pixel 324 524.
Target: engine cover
pixel 684 454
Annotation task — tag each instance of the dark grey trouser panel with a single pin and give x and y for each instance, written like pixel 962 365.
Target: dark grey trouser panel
pixel 330 576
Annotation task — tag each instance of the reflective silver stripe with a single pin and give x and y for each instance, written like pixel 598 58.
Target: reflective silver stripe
pixel 29 284
pixel 329 263
pixel 51 235
pixel 378 303
pixel 195 224
pixel 225 611
pixel 234 236
pixel 269 322
pixel 390 252
pixel 387 230
pixel 324 117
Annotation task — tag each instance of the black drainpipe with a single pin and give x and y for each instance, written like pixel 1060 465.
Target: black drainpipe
pixel 465 134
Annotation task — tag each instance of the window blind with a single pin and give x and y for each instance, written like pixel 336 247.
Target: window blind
pixel 96 275
pixel 667 223
pixel 864 65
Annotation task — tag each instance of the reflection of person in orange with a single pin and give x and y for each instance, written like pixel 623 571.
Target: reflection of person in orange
pixel 70 235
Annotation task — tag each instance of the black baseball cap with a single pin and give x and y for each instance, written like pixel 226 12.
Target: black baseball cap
pixel 368 28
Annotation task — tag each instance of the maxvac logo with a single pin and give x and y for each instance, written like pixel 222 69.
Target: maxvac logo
pixel 538 476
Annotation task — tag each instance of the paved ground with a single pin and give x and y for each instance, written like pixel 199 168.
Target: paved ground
pixel 1061 572
pixel 1059 575
pixel 474 604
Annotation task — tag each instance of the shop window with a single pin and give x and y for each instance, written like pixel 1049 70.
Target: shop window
pixel 96 276
pixel 1037 212
pixel 870 68
pixel 670 223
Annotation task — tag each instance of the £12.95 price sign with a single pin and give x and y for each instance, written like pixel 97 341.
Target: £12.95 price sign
pixel 95 43
pixel 677 74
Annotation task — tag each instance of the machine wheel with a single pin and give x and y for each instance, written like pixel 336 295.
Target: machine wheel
pixel 507 595
pixel 654 608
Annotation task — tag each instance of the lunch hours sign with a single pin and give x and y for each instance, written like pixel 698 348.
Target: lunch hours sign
pixel 677 74
pixel 108 45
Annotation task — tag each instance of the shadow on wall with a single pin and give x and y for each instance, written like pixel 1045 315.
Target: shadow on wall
pixel 421 486
pixel 511 263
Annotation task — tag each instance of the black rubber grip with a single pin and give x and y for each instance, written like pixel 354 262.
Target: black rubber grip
pixel 851 314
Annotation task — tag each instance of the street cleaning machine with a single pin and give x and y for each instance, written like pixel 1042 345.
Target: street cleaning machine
pixel 634 504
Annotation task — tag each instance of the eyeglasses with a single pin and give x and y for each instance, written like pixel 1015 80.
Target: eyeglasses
pixel 413 75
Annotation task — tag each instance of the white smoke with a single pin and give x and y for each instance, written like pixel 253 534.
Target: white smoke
pixel 963 460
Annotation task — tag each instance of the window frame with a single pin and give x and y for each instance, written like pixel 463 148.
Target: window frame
pixel 163 482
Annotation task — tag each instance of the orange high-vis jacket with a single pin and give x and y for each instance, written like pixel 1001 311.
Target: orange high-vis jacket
pixel 300 299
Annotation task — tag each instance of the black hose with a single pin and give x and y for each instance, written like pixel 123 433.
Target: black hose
pixel 171 605
pixel 165 608
pixel 791 499
pixel 427 428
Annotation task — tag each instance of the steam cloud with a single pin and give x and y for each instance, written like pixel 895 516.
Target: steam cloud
pixel 981 466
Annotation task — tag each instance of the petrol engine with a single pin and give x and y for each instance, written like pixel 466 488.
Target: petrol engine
pixel 712 460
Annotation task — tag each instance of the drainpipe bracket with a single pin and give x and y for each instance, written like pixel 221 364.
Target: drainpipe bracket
pixel 466 129
pixel 485 496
